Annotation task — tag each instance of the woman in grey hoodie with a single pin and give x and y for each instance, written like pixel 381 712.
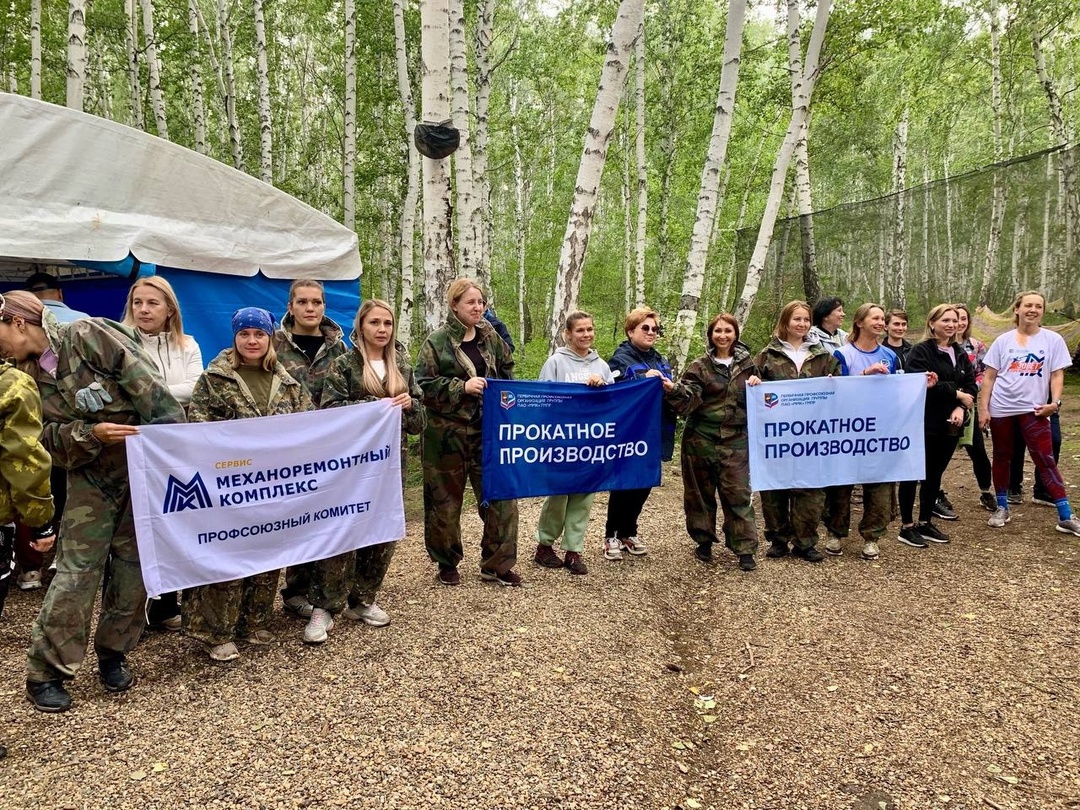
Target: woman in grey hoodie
pixel 568 515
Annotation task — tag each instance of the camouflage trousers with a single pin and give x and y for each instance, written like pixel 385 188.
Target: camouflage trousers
pixel 452 458
pixel 298 580
pixel 219 613
pixel 356 576
pixel 725 471
pixel 98 528
pixel 877 510
pixel 792 515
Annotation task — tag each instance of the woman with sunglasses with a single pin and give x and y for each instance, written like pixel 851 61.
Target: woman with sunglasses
pixel 636 358
pixel 97 387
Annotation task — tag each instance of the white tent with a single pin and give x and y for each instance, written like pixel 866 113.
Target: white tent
pixel 75 187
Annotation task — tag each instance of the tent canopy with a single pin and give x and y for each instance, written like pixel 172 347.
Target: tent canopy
pixel 77 188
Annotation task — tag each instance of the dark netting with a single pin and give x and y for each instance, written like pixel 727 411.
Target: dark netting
pixel 947 225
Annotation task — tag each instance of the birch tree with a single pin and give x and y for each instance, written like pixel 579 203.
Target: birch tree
pixel 997 197
pixel 803 196
pixel 799 113
pixel 723 116
pixel 519 213
pixel 407 224
pixel 484 21
pixel 435 101
pixel 642 169
pixel 590 171
pixel 262 72
pixel 224 36
pixel 898 265
pixel 76 53
pixel 198 104
pixel 348 158
pixel 157 98
pixel 35 48
pixel 131 11
pixel 468 212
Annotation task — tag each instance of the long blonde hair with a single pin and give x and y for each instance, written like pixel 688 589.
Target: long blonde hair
pixel 174 324
pixel 395 383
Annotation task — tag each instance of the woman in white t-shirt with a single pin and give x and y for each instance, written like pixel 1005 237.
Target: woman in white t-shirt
pixel 1025 372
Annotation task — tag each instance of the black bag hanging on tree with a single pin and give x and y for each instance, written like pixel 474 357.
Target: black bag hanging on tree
pixel 436 141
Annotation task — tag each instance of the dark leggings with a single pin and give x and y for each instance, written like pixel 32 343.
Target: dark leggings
pixel 980 462
pixel 1016 466
pixel 623 510
pixel 939 450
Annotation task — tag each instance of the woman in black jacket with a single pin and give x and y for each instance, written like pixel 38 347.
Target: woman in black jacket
pixel 949 403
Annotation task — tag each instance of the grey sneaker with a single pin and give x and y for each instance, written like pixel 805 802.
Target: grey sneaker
pixel 834 545
pixel 612 548
pixel 261 638
pixel 223 652
pixel 371 615
pixel 1000 518
pixel 298 606
pixel 870 550
pixel 29 580
pixel 633 546
pixel 1070 526
pixel 318 627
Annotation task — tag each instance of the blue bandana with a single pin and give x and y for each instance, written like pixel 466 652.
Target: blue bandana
pixel 253 318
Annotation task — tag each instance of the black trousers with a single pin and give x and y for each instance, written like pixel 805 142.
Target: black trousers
pixel 939 452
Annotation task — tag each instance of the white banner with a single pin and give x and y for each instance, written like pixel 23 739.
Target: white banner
pixel 216 501
pixel 827 431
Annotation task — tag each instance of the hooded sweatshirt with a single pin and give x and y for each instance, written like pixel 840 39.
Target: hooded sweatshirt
pixel 566 365
pixel 180 366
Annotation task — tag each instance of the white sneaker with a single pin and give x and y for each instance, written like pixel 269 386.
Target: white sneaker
pixel 1070 526
pixel 1000 518
pixel 298 606
pixel 224 652
pixel 870 550
pixel 633 546
pixel 371 615
pixel 612 548
pixel 319 626
pixel 29 580
pixel 834 545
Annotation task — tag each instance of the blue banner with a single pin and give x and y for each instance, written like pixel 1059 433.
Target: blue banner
pixel 549 438
pixel 828 431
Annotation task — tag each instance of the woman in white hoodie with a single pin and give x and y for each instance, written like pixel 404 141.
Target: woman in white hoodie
pixel 154 313
pixel 568 515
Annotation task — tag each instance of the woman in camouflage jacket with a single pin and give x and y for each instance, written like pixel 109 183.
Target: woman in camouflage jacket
pixel 715 456
pixel 792 515
pixel 242 382
pixel 377 367
pixel 97 386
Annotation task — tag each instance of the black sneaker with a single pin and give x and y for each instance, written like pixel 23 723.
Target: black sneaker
pixel 704 552
pixel 777 549
pixel 1015 496
pixel 943 510
pixel 114 673
pixel 909 537
pixel 943 498
pixel 988 501
pixel 928 531
pixel 1042 498
pixel 48 696
pixel 448 575
pixel 809 554
pixel 508 578
pixel 746 562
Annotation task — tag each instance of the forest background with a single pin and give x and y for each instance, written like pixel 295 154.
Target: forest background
pixel 937 160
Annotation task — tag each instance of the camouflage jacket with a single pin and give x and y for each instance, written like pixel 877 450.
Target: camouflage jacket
pixel 24 462
pixel 97 350
pixel 309 374
pixel 774 365
pixel 712 397
pixel 221 394
pixel 344 385
pixel 442 369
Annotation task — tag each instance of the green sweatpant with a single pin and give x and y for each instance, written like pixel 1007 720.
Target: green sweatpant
pixel 567 515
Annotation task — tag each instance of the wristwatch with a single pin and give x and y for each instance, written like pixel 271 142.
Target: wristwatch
pixel 1057 402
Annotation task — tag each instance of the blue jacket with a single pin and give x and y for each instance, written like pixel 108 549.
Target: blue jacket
pixel 631 363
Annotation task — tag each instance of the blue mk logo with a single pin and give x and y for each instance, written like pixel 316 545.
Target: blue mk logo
pixel 180 496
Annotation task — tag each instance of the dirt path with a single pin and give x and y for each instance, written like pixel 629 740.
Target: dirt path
pixel 944 678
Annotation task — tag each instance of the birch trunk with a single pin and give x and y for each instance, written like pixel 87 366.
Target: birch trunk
pixel 1044 260
pixel 1014 265
pixel 262 72
pixel 485 17
pixel 198 104
pixel 134 83
pixel 803 196
pixel 924 272
pixel 407 225
pixel 628 238
pixel 438 210
pixel 35 49
pixel 468 236
pixel 579 224
pixel 948 217
pixel 519 215
pixel 899 236
pixel 642 170
pixel 225 38
pixel 348 158
pixel 76 53
pixel 800 111
pixel 997 195
pixel 723 115
pixel 157 98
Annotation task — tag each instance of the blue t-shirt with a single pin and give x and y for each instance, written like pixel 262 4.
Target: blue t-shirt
pixel 854 361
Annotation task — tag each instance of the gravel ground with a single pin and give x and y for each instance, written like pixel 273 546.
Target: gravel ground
pixel 944 678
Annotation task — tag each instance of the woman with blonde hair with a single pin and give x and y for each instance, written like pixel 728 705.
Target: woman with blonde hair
pixel 377 367
pixel 452 370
